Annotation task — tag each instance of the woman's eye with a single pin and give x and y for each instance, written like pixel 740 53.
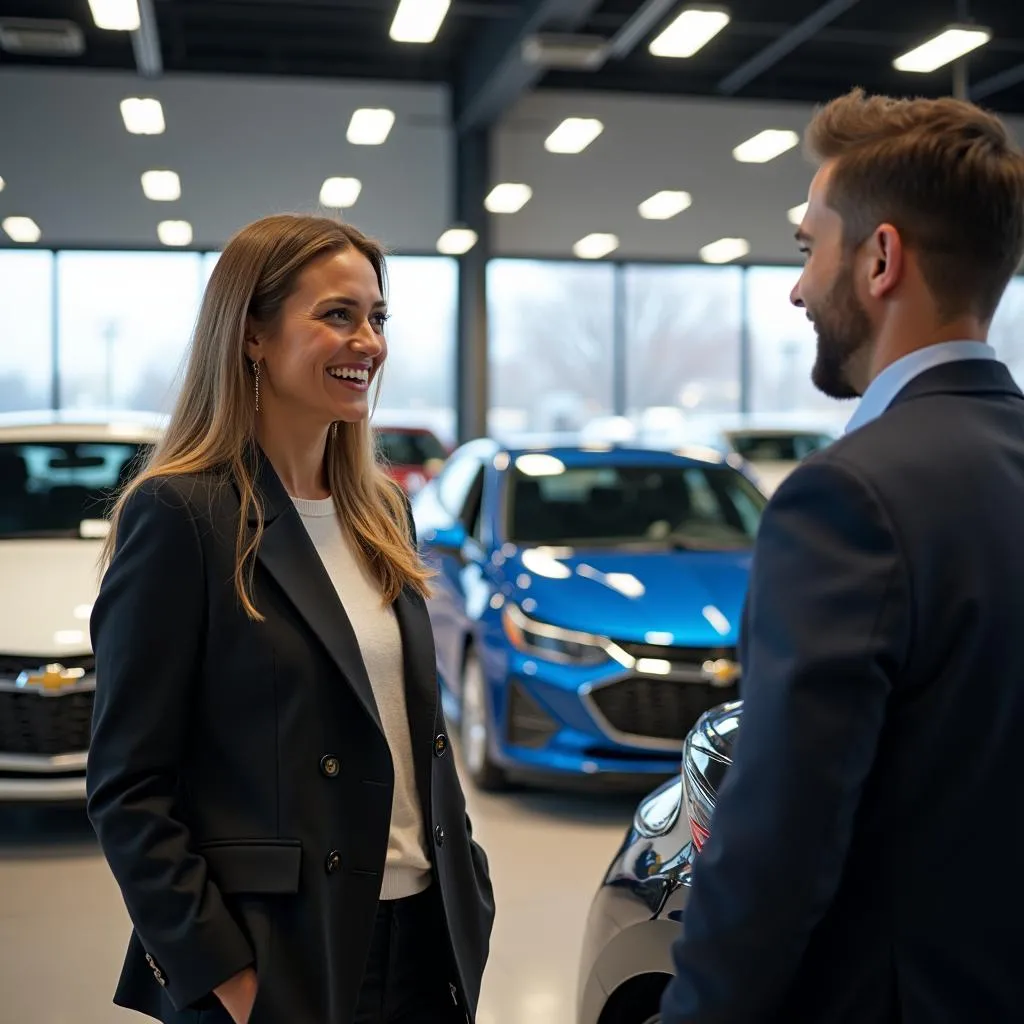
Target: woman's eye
pixel 337 313
pixel 380 319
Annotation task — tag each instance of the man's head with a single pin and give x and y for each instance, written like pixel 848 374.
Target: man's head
pixel 915 225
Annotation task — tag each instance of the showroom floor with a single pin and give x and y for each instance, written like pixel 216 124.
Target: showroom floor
pixel 63 927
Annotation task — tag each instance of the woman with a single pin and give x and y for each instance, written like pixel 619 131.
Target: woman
pixel 270 777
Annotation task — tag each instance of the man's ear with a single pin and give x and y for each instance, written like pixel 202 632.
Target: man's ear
pixel 886 260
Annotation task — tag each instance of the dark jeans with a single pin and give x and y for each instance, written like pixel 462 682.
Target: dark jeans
pixel 409 973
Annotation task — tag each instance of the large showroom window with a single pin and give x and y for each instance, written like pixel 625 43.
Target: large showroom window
pixel 552 329
pixel 682 343
pixel 782 351
pixel 124 321
pixel 26 330
pixel 419 379
pixel 1007 334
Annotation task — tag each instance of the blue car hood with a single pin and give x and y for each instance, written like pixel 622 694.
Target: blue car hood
pixel 694 597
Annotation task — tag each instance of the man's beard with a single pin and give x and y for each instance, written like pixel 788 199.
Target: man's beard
pixel 843 329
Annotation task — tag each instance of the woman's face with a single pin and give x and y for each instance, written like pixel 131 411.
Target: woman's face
pixel 318 362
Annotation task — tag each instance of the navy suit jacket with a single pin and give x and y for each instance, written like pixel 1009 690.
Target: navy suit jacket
pixel 866 861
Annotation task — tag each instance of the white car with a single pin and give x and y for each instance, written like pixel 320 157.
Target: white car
pixel 57 478
pixel 774 453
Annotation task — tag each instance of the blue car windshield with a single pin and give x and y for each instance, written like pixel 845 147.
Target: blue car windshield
pixel 702 508
pixel 50 488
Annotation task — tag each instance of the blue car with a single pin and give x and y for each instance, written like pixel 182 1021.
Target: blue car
pixel 586 604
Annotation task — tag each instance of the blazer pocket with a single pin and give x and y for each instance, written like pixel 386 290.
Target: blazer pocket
pixel 268 866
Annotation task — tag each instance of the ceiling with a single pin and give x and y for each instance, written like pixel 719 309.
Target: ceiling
pixel 349 39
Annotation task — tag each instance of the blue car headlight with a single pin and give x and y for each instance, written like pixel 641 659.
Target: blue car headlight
pixel 553 643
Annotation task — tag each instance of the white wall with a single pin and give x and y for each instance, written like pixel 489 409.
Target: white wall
pixel 243 147
pixel 650 144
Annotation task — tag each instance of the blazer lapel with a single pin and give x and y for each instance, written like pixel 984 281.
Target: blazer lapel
pixel 421 695
pixel 288 554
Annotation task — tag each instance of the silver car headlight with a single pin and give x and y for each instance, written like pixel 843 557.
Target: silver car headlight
pixel 553 643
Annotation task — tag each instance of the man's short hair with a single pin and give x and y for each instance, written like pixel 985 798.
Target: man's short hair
pixel 945 174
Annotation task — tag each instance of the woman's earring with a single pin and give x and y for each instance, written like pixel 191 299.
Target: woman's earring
pixel 256 373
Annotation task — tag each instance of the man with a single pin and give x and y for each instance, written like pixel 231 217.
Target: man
pixel 866 861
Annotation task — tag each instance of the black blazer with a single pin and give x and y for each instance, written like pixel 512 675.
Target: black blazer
pixel 239 780
pixel 866 855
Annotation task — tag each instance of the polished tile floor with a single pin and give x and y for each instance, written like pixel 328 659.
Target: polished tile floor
pixel 63 926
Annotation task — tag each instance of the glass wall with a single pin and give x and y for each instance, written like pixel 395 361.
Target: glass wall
pixel 552 328
pixel 683 329
pixel 124 324
pixel 1007 334
pixel 418 386
pixel 614 350
pixel 26 330
pixel 125 319
pixel 782 352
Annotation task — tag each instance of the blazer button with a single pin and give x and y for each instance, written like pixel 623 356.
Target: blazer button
pixel 439 836
pixel 330 765
pixel 440 745
pixel 333 862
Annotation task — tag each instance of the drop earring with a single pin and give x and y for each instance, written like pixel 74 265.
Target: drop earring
pixel 256 374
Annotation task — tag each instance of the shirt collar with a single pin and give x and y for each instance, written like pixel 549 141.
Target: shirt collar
pixel 891 381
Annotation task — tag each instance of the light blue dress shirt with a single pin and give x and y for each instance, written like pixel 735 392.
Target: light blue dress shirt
pixel 893 379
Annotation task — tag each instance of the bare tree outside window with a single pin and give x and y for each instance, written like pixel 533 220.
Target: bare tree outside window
pixel 683 329
pixel 551 334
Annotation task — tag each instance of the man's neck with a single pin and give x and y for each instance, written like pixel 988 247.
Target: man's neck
pixel 897 344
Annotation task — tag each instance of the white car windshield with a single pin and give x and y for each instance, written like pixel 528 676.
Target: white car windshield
pixel 775 447
pixel 50 488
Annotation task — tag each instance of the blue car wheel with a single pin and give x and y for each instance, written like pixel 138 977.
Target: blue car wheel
pixel 475 724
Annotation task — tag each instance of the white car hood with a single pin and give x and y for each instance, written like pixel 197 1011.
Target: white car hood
pixel 47 588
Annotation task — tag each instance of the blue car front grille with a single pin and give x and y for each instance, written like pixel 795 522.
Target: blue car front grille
pixel 654 708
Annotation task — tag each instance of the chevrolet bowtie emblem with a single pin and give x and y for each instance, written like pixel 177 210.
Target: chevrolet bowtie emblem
pixel 50 678
pixel 721 673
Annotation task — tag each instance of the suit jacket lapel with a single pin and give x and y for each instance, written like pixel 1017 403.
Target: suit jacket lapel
pixel 290 557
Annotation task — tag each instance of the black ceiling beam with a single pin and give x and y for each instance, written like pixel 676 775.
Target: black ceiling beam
pixel 495 74
pixel 783 46
pixel 997 83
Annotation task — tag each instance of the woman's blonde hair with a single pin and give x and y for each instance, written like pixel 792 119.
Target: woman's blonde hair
pixel 212 426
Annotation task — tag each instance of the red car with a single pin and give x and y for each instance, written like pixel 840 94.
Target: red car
pixel 413 455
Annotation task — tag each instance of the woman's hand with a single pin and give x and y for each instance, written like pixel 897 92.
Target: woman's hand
pixel 238 995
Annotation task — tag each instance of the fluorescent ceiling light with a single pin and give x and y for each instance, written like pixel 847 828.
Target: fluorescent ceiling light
pixel 456 241
pixel 174 232
pixel 725 250
pixel 161 186
pixel 508 197
pixel 115 15
pixel 370 127
pixel 690 32
pixel 797 213
pixel 954 42
pixel 2 184
pixel 573 135
pixel 766 145
pixel 22 229
pixel 595 246
pixel 340 193
pixel 665 205
pixel 143 117
pixel 418 21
